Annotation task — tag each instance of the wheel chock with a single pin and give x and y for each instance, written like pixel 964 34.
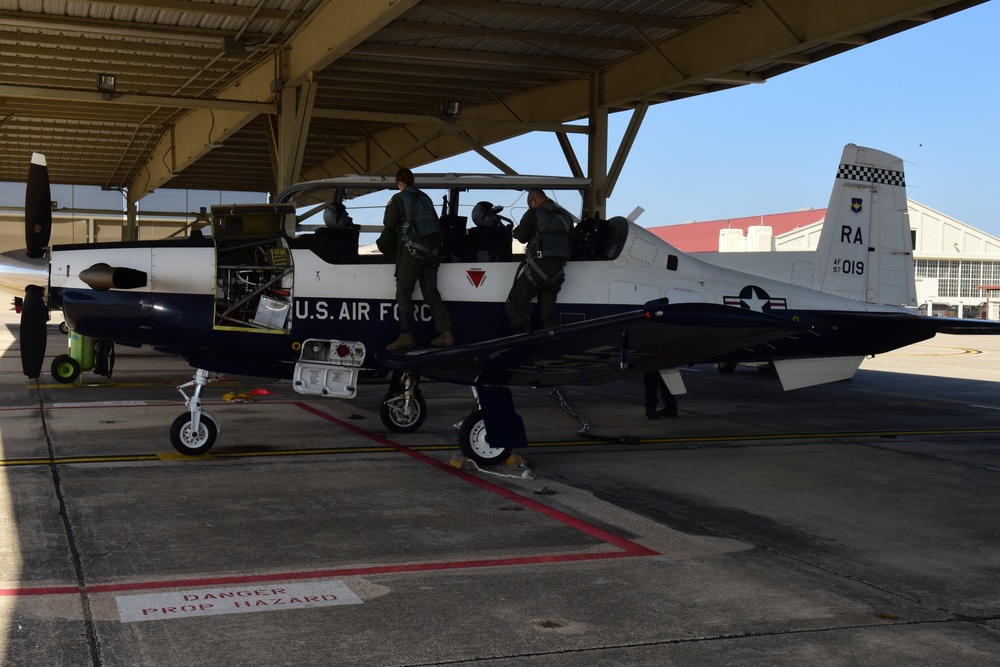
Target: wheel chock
pixel 515 461
pixel 463 462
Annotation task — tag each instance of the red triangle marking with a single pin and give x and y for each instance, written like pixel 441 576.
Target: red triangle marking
pixel 476 276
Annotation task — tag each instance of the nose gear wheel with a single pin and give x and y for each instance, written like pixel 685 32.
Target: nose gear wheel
pixel 187 441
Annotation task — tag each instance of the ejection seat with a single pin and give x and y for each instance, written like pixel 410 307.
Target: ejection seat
pixel 452 237
pixel 597 239
pixel 337 242
pixel 490 240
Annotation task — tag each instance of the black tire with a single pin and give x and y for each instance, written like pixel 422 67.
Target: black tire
pixel 189 443
pixel 393 411
pixel 475 443
pixel 65 369
pixel 63 328
pixel 726 366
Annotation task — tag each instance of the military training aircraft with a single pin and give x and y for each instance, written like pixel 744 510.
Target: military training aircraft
pixel 258 295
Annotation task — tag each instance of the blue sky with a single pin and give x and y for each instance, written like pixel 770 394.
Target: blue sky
pixel 930 95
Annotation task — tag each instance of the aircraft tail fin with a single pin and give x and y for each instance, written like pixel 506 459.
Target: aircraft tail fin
pixel 865 249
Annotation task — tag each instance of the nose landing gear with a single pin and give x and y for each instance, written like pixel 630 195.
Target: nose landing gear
pixel 194 432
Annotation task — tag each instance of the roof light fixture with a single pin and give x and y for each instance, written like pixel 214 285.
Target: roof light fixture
pixel 106 84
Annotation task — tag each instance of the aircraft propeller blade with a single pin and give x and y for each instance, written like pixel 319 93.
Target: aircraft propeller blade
pixel 37 208
pixel 34 316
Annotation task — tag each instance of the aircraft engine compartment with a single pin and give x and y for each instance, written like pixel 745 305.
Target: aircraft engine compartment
pixel 253 268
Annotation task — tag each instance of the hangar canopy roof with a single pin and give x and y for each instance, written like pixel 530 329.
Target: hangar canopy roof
pixel 198 82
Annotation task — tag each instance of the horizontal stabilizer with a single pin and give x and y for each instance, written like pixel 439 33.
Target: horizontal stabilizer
pixel 960 326
pixel 799 373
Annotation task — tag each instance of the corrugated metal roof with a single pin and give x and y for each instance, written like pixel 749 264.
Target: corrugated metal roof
pixel 172 59
pixel 704 236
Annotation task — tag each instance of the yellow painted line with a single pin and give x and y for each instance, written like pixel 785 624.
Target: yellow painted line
pixel 130 385
pixel 307 452
pixel 961 350
pixel 177 456
pixel 773 436
pixel 77 459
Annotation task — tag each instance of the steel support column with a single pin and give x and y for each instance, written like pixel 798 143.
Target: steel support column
pixel 130 231
pixel 288 147
pixel 597 149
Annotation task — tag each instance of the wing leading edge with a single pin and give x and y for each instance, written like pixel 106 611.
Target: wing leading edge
pixel 658 335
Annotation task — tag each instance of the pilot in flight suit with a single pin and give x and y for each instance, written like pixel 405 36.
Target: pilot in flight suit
pixel 546 228
pixel 413 233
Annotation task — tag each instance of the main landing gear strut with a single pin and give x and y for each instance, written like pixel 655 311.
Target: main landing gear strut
pixel 403 409
pixel 194 432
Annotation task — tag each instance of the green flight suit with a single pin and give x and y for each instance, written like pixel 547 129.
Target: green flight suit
pixel 546 230
pixel 410 270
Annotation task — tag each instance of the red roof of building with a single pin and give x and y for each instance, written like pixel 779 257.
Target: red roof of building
pixel 704 236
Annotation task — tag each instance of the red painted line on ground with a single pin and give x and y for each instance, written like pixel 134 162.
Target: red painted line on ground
pixel 169 404
pixel 40 590
pixel 317 574
pixel 626 548
pixel 625 545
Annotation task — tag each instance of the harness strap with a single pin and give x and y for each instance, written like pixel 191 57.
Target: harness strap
pixel 420 251
pixel 538 278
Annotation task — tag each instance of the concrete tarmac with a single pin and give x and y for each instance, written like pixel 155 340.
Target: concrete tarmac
pixel 849 524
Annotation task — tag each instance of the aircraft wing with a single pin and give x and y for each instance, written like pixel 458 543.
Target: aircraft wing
pixel 658 335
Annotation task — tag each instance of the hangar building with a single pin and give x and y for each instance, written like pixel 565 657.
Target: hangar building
pixel 955 262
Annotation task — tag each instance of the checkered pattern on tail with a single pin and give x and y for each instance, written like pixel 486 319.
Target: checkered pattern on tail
pixel 858 172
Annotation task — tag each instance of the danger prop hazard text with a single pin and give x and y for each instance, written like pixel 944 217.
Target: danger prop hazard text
pixel 211 602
